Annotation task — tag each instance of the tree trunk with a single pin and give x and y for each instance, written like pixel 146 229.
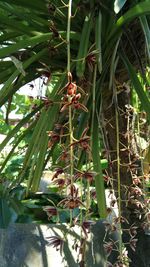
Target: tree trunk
pixel 133 208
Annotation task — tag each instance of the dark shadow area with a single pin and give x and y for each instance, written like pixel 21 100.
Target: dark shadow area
pixel 96 254
pixel 141 256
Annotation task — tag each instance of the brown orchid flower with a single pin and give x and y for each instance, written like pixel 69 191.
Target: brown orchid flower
pixel 86 225
pixel 93 193
pixel 132 243
pixel 61 182
pixel 108 247
pixel 110 227
pixel 54 138
pixel 74 103
pixel 70 87
pixel 58 171
pixel 120 219
pixel 91 59
pixel 72 201
pixel 64 156
pixel 56 241
pixel 133 231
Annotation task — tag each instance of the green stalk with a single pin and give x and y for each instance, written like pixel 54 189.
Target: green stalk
pixel 99 181
pixel 118 179
pixel 68 35
pixel 93 99
pixel 71 141
pixel 70 108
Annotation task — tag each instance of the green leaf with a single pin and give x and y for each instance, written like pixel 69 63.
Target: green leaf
pixel 24 43
pixel 18 65
pixel 35 5
pixel 140 9
pixel 15 130
pixel 8 87
pixel 84 45
pixel 146 30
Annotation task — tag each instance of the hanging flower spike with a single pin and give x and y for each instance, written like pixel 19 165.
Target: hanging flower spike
pixel 50 211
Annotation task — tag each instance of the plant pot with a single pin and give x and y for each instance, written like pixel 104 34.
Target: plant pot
pixel 27 245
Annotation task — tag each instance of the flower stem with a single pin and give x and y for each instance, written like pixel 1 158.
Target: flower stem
pixel 70 107
pixel 68 35
pixel 71 141
pixel 118 180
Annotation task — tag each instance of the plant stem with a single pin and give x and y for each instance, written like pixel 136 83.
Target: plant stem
pixel 93 99
pixel 68 35
pixel 99 181
pixel 118 180
pixel 71 141
pixel 70 107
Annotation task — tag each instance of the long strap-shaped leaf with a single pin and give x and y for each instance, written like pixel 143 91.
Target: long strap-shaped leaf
pixel 146 30
pixel 24 43
pixel 17 142
pixel 35 5
pixel 17 26
pixel 15 130
pixel 32 41
pixel 7 88
pixel 140 9
pixel 84 45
